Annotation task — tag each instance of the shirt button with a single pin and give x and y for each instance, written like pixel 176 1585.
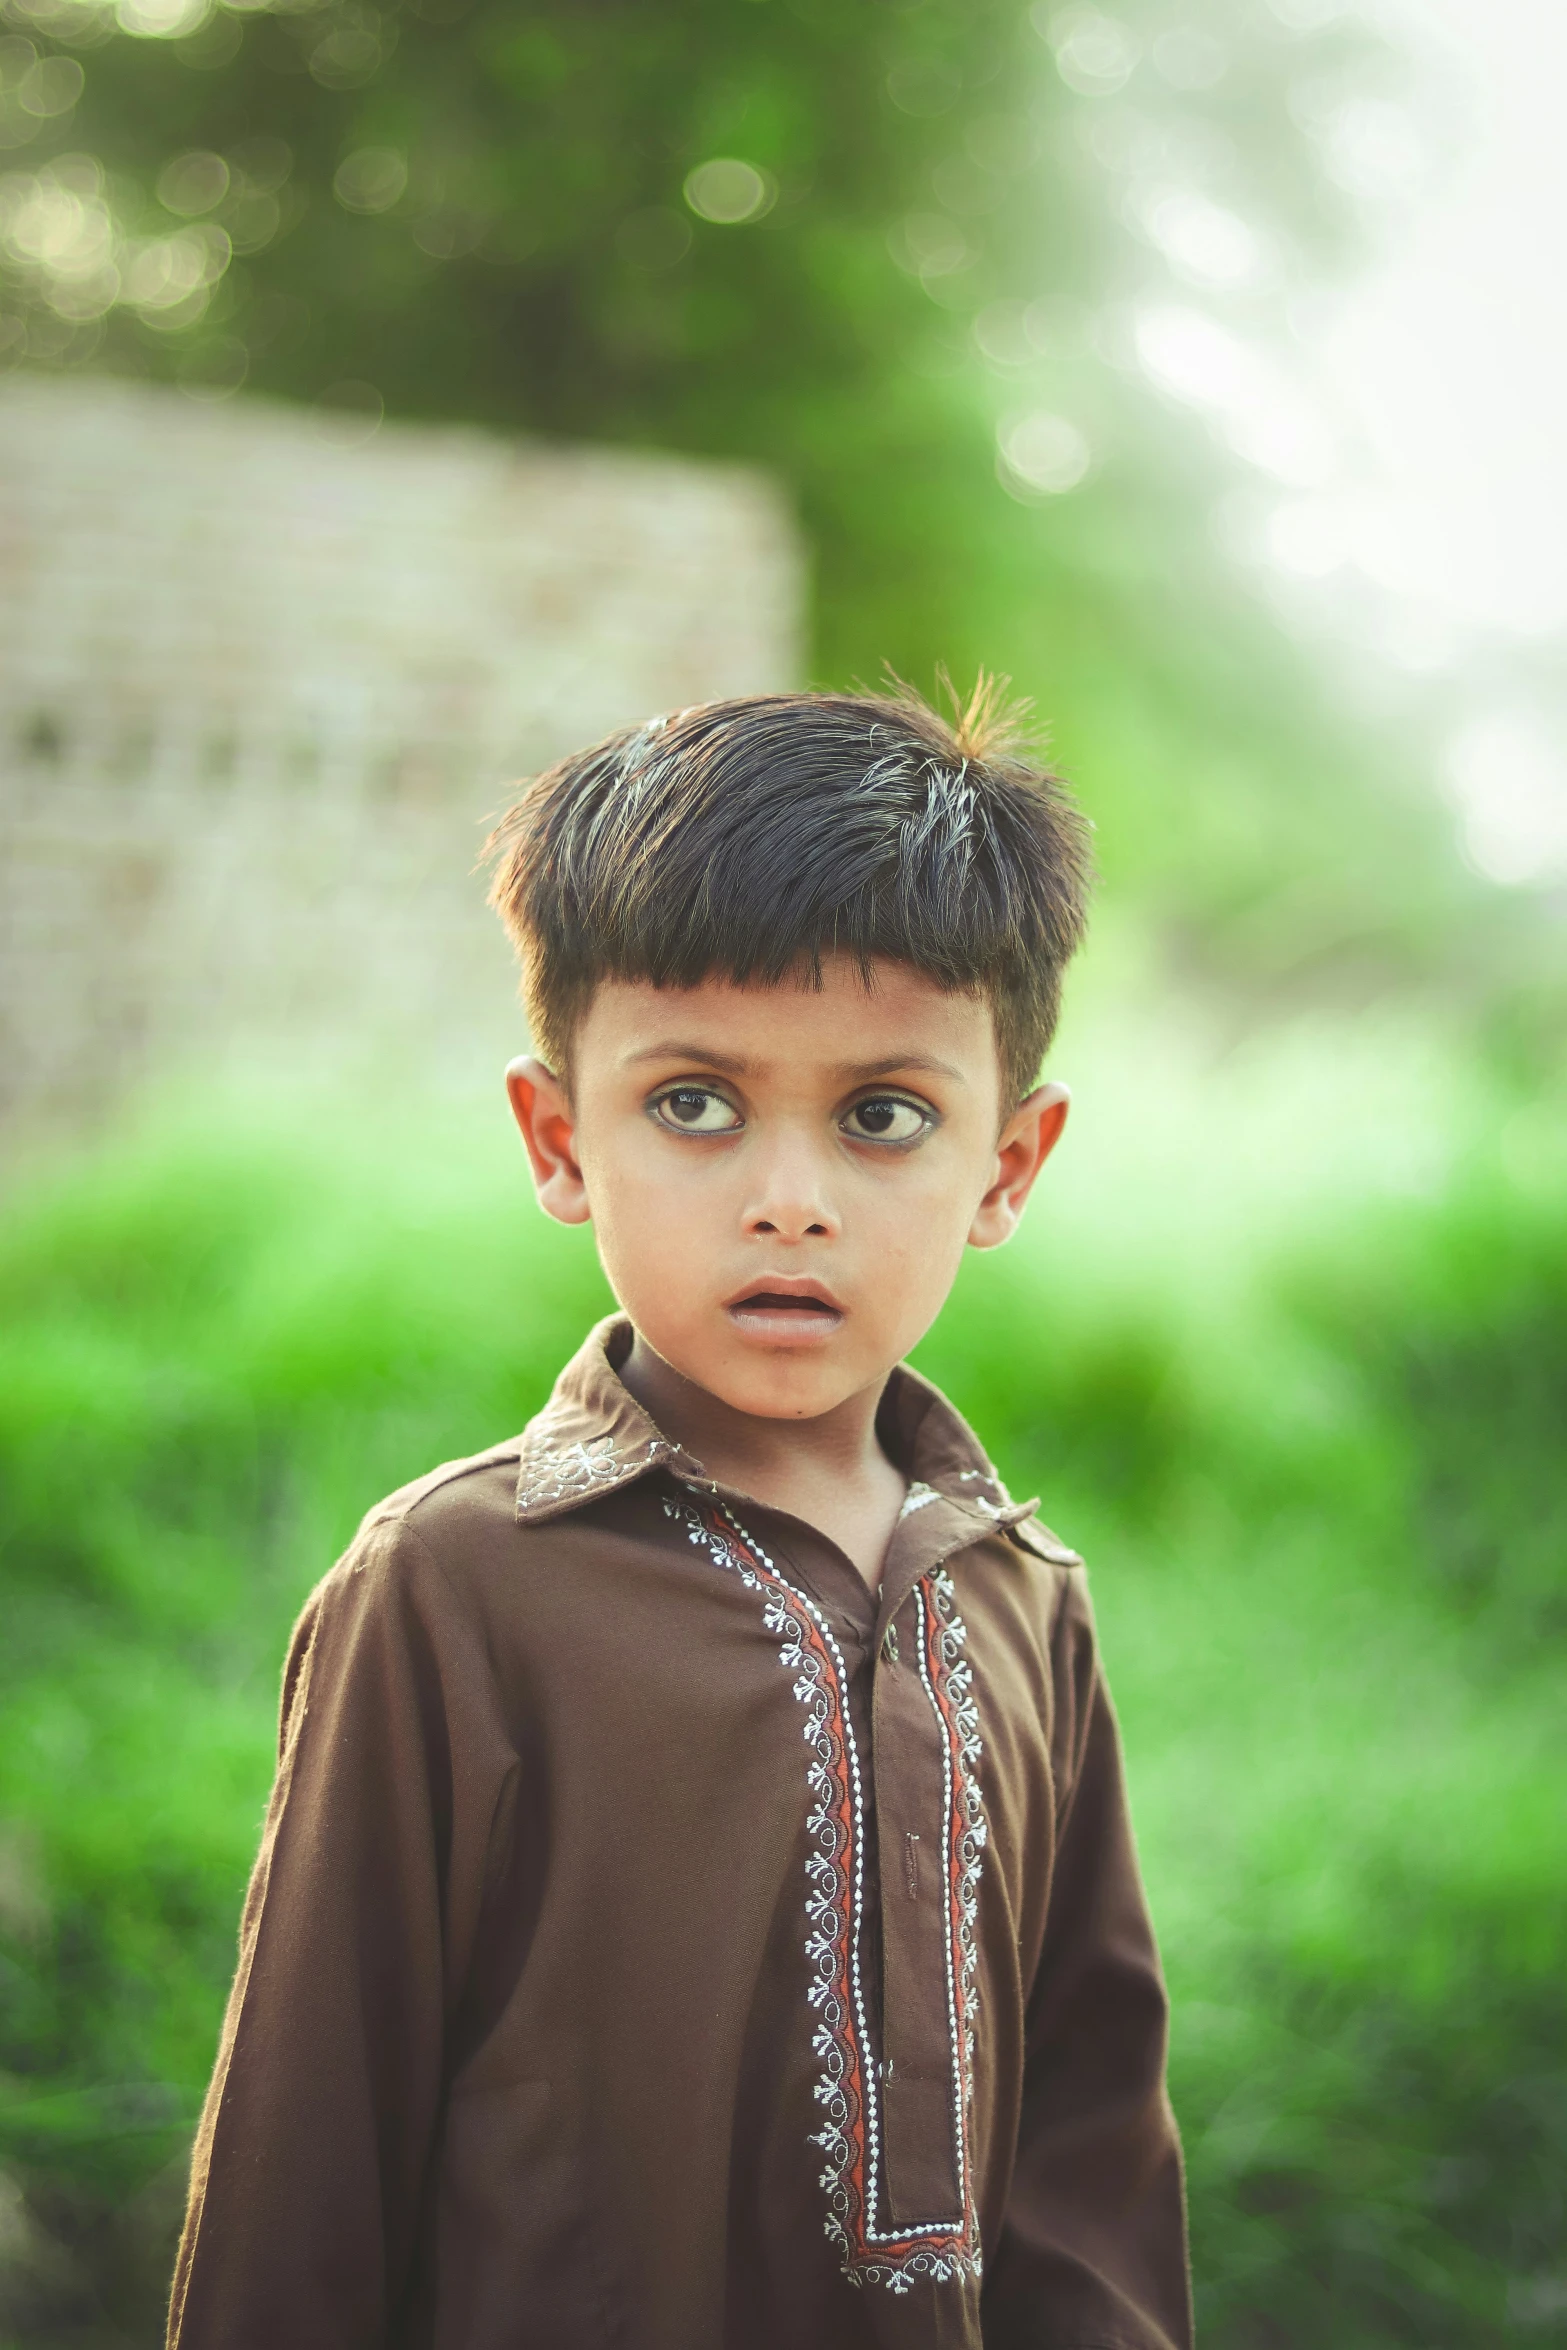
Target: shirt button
pixel 889 1646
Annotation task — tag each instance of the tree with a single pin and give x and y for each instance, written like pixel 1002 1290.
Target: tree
pixel 901 255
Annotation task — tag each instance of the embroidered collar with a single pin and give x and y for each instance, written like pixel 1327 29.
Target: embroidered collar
pixel 593 1437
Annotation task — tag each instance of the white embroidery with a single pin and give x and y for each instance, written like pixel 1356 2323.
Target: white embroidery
pixel 992 1509
pixel 847 2090
pixel 966 1839
pixel 916 1498
pixel 555 1472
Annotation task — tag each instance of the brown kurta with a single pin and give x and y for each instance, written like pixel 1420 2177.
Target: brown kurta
pixel 658 1941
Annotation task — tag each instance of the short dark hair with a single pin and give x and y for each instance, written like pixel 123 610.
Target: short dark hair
pixel 748 838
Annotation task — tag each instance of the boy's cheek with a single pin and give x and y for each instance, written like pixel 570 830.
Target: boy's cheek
pixel 660 1216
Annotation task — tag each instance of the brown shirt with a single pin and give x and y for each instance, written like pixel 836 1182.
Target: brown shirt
pixel 658 1941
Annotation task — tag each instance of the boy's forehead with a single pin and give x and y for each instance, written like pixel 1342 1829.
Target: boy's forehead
pixel 899 1017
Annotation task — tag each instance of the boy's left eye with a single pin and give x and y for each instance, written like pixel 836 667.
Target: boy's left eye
pixel 886 1117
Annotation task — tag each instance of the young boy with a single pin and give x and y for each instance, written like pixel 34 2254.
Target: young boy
pixel 697 1908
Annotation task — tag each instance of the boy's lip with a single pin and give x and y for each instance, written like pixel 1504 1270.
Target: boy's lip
pixel 794 1309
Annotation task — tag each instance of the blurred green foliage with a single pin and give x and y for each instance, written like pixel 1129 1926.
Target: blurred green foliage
pixel 1325 1520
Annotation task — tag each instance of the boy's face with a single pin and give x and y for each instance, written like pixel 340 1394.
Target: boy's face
pixel 783 1179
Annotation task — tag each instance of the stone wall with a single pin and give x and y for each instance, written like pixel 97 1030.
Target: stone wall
pixel 260 690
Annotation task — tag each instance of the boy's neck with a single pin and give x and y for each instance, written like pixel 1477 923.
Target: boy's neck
pixel 831 1470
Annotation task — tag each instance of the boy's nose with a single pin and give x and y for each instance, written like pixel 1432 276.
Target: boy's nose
pixel 791 1201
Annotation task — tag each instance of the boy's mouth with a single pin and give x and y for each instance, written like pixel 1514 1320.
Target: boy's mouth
pixel 790 1306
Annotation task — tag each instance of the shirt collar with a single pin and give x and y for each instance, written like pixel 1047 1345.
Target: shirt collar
pixel 593 1437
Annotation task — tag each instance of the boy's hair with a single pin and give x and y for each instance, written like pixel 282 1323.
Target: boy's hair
pixel 746 839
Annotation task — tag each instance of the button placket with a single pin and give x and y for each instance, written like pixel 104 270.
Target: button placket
pixel 920 2155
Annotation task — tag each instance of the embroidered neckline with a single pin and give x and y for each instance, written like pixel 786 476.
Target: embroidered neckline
pixel 592 1436
pixel 851 2136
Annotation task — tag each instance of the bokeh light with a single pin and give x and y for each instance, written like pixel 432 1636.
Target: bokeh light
pixel 1041 453
pixel 371 179
pixel 729 191
pixel 1508 775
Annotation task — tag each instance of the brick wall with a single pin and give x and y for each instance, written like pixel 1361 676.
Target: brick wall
pixel 259 690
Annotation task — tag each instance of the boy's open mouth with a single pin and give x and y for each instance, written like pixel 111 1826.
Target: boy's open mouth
pixel 774 1301
pixel 790 1306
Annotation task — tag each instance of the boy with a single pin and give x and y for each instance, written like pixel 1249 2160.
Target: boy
pixel 697 1909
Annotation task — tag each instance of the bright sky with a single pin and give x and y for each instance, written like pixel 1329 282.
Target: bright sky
pixel 1453 354
pixel 1406 455
pixel 1449 364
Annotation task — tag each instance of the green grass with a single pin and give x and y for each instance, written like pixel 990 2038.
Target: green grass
pixel 1285 1350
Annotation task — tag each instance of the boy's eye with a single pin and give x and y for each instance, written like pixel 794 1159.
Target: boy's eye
pixel 886 1117
pixel 695 1109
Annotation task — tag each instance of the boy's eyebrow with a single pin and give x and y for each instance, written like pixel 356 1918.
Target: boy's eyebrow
pixel 890 1067
pixel 857 1072
pixel 677 1049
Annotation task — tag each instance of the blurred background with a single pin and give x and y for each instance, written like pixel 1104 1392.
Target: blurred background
pixel 393 395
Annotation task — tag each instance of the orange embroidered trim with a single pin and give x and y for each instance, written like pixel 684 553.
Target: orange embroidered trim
pixel 846 2090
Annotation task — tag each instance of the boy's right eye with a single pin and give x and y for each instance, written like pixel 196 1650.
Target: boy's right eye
pixel 696 1109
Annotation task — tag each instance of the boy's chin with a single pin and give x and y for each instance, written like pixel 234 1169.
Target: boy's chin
pixel 786 1385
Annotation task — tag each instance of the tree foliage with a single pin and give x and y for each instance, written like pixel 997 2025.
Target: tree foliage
pixel 875 247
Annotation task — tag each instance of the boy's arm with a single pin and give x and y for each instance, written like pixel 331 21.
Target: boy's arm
pixel 1092 2254
pixel 310 2159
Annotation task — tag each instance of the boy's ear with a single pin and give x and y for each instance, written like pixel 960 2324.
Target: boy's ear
pixel 539 1105
pixel 1022 1147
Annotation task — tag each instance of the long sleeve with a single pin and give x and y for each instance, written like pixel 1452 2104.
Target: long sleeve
pixel 1093 2250
pixel 310 2160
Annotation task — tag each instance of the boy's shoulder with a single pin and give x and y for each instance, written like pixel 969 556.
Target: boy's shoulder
pixel 462 1521
pixel 461 1512
pixel 589 1438
pixel 467 1486
pixel 452 1506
